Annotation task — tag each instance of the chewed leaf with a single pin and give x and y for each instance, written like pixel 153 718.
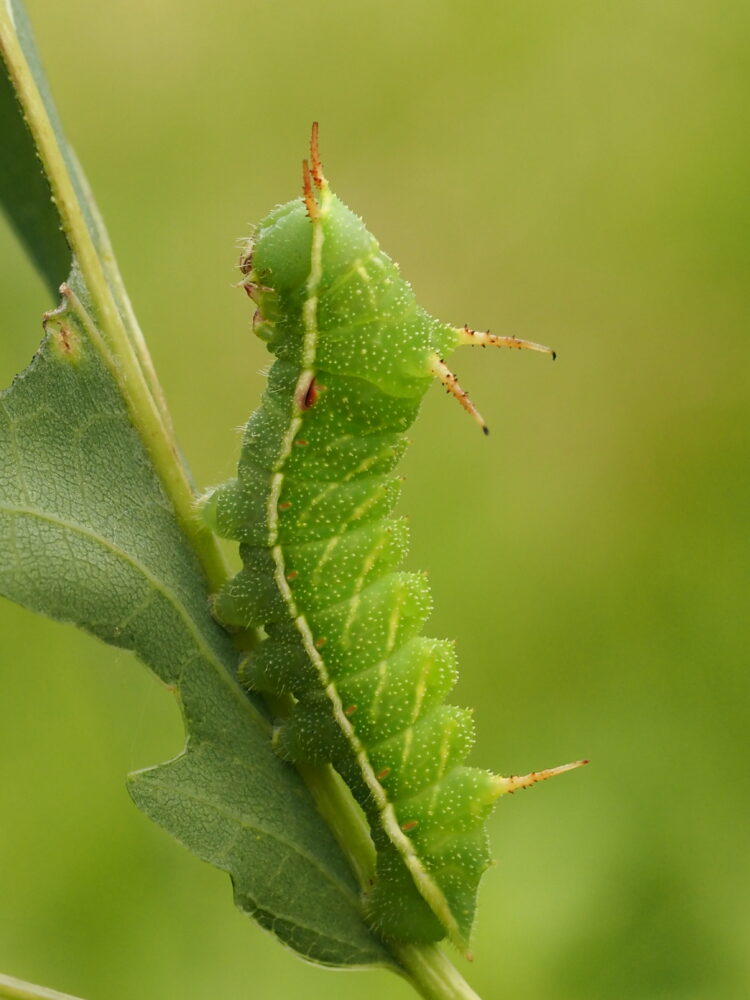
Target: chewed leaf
pixel 221 800
pixel 87 536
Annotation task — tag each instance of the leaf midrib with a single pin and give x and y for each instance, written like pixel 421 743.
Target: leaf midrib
pixel 209 655
pixel 200 641
pixel 259 827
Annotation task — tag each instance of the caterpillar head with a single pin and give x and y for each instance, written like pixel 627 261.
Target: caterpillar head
pixel 329 299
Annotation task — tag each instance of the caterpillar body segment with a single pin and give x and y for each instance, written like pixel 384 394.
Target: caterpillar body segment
pixel 312 509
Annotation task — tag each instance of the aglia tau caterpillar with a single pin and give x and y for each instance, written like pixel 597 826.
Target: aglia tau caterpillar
pixel 311 508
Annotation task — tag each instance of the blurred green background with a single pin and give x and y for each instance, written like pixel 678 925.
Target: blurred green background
pixel 574 173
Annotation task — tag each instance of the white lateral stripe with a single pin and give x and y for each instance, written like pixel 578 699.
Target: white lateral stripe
pixel 424 882
pixel 426 885
pixel 310 309
pixel 281 580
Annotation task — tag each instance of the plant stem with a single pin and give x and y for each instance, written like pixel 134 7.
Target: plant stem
pixel 431 973
pixel 125 308
pixel 425 966
pixel 135 372
pixel 16 989
pixel 337 806
pixel 124 350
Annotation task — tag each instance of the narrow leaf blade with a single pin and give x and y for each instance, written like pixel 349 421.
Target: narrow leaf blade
pixel 24 189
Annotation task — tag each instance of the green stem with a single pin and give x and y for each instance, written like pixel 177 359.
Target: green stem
pixel 117 285
pixel 431 973
pixel 337 806
pixel 16 989
pixel 135 373
pixel 124 349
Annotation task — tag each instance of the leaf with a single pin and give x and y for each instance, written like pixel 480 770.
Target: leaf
pixel 97 516
pixel 24 189
pixel 88 536
pixel 33 209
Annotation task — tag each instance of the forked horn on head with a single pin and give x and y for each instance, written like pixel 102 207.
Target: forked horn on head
pixel 312 175
pixel 316 167
pixel 308 194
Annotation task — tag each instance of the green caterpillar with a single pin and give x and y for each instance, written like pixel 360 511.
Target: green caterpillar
pixel 311 508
